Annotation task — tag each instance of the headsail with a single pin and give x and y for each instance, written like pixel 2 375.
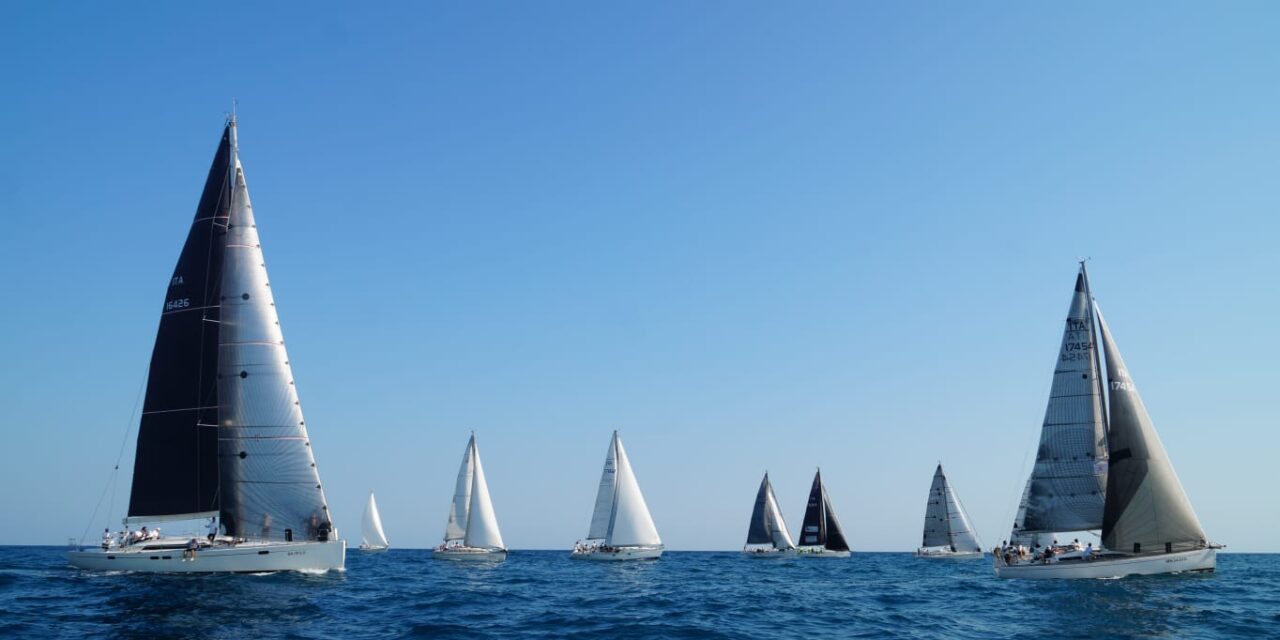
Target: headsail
pixel 460 508
pixel 270 488
pixel 767 525
pixel 835 533
pixel 630 524
pixel 1069 478
pixel 482 524
pixel 1147 509
pixel 175 472
pixel 371 531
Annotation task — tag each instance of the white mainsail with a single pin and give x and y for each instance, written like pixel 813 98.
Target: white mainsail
pixel 620 505
pixel 372 534
pixel 482 524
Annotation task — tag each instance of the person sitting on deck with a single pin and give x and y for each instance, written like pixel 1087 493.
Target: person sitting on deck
pixel 190 552
pixel 1087 554
pixel 155 534
pixel 1075 545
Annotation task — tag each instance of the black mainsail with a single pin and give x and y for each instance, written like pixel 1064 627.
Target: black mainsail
pixel 175 472
pixel 820 527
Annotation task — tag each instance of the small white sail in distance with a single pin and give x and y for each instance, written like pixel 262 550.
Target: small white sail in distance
pixel 372 534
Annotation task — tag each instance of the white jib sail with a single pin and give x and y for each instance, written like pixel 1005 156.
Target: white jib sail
pixel 963 536
pixel 781 537
pixel 482 524
pixel 460 508
pixel 631 524
pixel 372 533
pixel 603 512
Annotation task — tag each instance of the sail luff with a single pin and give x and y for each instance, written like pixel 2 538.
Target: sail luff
pixel 482 523
pixel 1147 508
pixel 269 483
pixel 460 507
pixel 1066 491
pixel 175 473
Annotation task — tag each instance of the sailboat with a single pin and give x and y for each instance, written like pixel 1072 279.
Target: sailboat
pixel 472 531
pixel 621 527
pixel 820 534
pixel 373 538
pixel 222 435
pixel 1123 484
pixel 767 536
pixel 947 530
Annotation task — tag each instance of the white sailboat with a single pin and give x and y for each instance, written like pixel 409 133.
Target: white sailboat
pixel 1148 525
pixel 621 527
pixel 821 535
pixel 767 535
pixel 472 531
pixel 947 530
pixel 222 434
pixel 373 538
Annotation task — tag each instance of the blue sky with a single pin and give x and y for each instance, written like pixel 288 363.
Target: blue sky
pixel 750 236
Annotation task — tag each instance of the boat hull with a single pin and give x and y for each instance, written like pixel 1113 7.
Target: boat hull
pixel 241 558
pixel 470 554
pixel 950 555
pixel 820 552
pixel 372 549
pixel 770 554
pixel 1146 565
pixel 618 553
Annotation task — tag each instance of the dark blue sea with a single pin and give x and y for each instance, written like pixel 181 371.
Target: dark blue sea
pixel 543 594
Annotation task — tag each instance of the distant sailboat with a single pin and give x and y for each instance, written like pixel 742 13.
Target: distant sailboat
pixel 373 538
pixel 222 433
pixel 767 536
pixel 1148 525
pixel 820 534
pixel 472 531
pixel 621 527
pixel 947 530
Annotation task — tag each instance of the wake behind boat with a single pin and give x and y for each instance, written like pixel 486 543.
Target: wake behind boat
pixel 767 535
pixel 472 531
pixel 947 530
pixel 820 534
pixel 1148 525
pixel 372 539
pixel 222 433
pixel 621 527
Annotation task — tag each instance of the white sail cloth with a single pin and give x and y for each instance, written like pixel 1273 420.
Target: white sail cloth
pixel 371 531
pixel 945 522
pixel 471 517
pixel 621 517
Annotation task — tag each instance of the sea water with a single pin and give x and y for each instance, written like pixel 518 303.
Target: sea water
pixel 543 594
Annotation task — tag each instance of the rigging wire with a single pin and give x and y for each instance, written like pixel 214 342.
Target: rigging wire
pixel 115 470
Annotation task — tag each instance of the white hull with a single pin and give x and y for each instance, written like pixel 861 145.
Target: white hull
pixel 821 552
pixel 618 553
pixel 1112 567
pixel 369 549
pixel 952 555
pixel 769 554
pixel 250 557
pixel 470 554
